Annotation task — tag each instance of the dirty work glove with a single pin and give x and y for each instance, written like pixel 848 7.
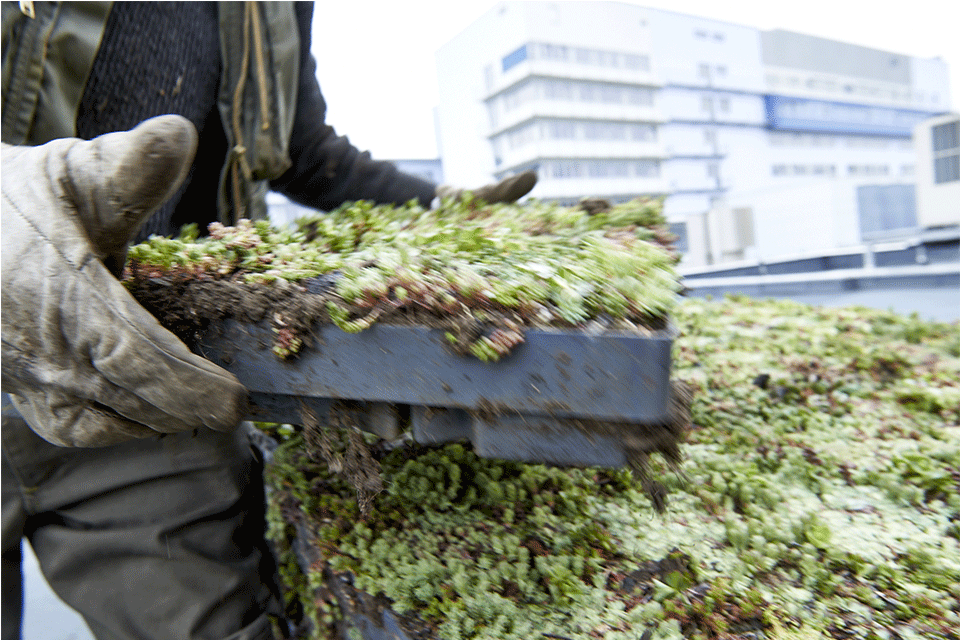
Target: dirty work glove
pixel 509 189
pixel 84 363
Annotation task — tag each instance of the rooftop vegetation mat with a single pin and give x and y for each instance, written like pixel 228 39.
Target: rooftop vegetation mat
pixel 819 497
pixel 483 273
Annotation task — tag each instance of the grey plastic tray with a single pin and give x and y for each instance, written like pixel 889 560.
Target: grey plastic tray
pixel 559 373
pixel 562 397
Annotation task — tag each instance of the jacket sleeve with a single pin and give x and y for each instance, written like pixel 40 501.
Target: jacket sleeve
pixel 327 169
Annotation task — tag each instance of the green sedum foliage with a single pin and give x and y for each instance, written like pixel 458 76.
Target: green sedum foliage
pixel 819 498
pixel 543 264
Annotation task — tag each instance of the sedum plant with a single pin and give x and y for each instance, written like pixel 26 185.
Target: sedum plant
pixel 819 498
pixel 494 270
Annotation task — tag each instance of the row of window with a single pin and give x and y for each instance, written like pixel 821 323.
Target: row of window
pixel 562 169
pixel 560 129
pixel 831 170
pixel 905 95
pixel 790 139
pixel 553 89
pixel 804 170
pixel 868 170
pixel 611 131
pixel 579 55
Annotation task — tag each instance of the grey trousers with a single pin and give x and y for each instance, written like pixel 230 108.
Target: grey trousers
pixel 157 538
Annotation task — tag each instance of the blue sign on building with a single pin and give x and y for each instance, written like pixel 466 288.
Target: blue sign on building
pixel 514 58
pixel 802 114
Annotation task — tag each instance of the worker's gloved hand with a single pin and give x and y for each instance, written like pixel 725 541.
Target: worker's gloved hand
pixel 509 189
pixel 84 363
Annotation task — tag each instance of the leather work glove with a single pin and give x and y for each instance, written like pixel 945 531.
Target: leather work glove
pixel 84 363
pixel 509 189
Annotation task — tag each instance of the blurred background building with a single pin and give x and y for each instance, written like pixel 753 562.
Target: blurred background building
pixel 770 147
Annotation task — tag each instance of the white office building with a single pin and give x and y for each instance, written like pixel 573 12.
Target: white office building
pixel 616 100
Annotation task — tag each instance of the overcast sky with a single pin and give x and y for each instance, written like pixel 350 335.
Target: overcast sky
pixel 377 71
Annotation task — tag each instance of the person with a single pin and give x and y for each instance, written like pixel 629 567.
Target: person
pixel 122 120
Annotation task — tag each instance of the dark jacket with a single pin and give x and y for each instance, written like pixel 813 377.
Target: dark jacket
pixel 167 57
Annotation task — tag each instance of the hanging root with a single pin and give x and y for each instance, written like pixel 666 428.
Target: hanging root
pixel 664 439
pixel 355 464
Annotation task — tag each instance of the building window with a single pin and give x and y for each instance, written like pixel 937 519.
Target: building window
pixel 724 105
pixel 946 169
pixel 604 131
pixel 645 132
pixel 521 136
pixel 636 62
pixel 566 169
pixel 946 152
pixel 743 226
pixel 868 142
pixel 647 168
pixel 639 96
pixel 514 97
pixel 679 230
pixel 713 170
pixel 557 90
pixel 886 210
pixel 563 130
pixel 608 169
pixel 868 170
pixel 553 52
pixel 703 70
pixel 822 140
pixel 611 94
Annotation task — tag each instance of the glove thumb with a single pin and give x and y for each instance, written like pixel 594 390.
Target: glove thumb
pixel 509 189
pixel 116 181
